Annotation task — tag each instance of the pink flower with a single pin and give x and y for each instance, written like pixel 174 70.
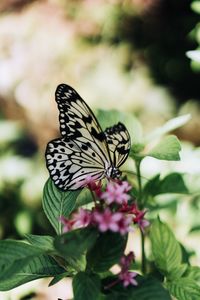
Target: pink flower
pixel 126 186
pixel 128 278
pixel 139 215
pixel 116 192
pixel 124 225
pixel 129 209
pixel 90 183
pixel 125 275
pixel 140 220
pixel 126 260
pixel 114 221
pixel 68 224
pixel 82 218
pixel 107 220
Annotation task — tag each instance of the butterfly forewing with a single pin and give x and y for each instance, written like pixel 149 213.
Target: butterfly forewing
pixel 78 123
pixel 82 151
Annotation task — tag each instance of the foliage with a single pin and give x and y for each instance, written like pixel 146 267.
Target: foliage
pixel 194 55
pixel 86 254
pixel 22 178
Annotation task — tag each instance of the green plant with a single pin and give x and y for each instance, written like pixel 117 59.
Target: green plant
pixel 86 253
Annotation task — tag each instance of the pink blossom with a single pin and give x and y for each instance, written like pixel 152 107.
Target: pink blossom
pixel 90 183
pixel 114 221
pixel 139 219
pixel 127 278
pixel 82 218
pixel 126 260
pixel 124 224
pixel 107 220
pixel 116 192
pixel 126 186
pixel 129 209
pixel 139 215
pixel 68 224
pixel 125 275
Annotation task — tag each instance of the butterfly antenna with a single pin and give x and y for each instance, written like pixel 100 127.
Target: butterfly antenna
pixel 134 173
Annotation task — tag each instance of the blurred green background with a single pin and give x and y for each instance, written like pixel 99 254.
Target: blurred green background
pixel 129 55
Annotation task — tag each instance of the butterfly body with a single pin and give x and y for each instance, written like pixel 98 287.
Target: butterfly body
pixel 84 149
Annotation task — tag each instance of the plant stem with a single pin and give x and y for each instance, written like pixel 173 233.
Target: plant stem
pixel 137 164
pixel 143 252
pixel 140 203
pixel 109 286
pixel 93 197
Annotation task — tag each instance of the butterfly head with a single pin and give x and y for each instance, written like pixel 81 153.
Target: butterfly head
pixel 113 172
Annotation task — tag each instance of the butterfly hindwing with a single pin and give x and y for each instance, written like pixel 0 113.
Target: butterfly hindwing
pixel 119 143
pixel 68 165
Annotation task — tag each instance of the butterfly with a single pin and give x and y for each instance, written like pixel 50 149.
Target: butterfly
pixel 84 149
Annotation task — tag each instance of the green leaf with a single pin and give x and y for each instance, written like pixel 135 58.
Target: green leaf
pixel 20 263
pixel 86 286
pixel 108 118
pixel 168 127
pixel 172 183
pixel 152 187
pixel 186 254
pixel 107 250
pixel 84 198
pixel 177 272
pixel 11 250
pixel 44 242
pixel 57 203
pixel 37 267
pixel 165 248
pixel 148 289
pixel 75 242
pixel 167 149
pixel 195 228
pixel 195 5
pixel 193 272
pixel 184 289
pixel 58 278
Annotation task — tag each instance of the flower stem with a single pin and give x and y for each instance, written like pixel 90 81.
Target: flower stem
pixel 113 283
pixel 137 164
pixel 93 198
pixel 140 203
pixel 143 252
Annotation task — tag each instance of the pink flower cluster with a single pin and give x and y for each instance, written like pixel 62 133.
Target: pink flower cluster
pixel 138 217
pixel 91 184
pixel 104 220
pixel 116 193
pixel 126 276
pixel 112 212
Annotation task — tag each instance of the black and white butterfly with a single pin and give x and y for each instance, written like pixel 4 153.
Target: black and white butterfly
pixel 84 149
